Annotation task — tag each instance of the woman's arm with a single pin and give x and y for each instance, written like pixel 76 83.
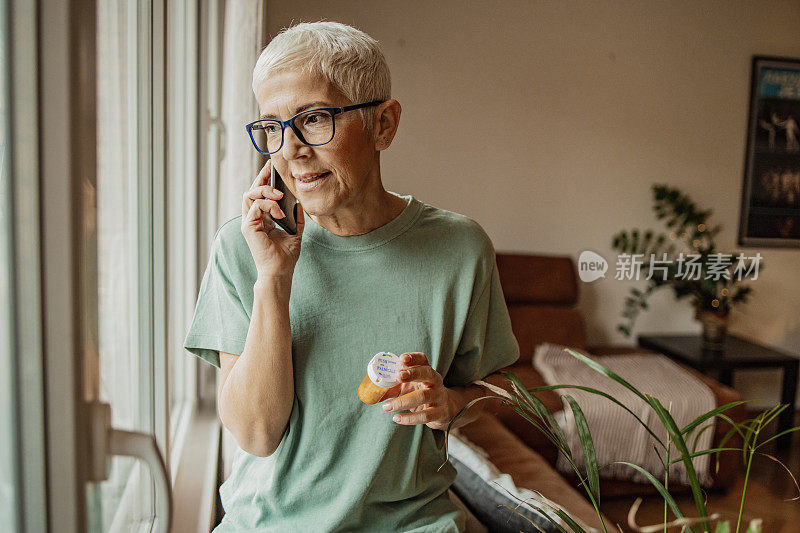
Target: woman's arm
pixel 458 397
pixel 461 396
pixel 256 389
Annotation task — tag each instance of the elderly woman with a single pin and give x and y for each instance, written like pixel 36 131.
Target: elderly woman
pixel 293 327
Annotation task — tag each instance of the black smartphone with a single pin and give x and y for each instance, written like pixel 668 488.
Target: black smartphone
pixel 287 203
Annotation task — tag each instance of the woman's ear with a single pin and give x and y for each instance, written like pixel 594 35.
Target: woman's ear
pixel 387 121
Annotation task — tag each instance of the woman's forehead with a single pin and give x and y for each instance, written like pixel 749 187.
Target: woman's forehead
pixel 287 91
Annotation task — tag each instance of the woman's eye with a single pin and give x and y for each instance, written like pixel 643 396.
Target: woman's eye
pixel 313 118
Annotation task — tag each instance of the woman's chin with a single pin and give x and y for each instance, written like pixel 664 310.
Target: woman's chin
pixel 315 205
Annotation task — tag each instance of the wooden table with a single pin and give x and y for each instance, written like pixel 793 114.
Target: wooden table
pixel 735 353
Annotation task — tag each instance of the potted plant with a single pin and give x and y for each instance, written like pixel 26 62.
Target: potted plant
pixel 687 260
pixel 524 402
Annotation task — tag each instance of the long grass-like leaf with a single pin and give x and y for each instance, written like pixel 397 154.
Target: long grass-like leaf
pixel 794 480
pixel 538 407
pixel 779 435
pixel 534 524
pixel 590 458
pixel 750 430
pixel 606 396
pixel 662 490
pixel 606 372
pixel 452 421
pixel 699 434
pixel 772 414
pixel 735 426
pixel 569 521
pixel 704 452
pixel 702 418
pixel 540 427
pixel 541 506
pixel 677 439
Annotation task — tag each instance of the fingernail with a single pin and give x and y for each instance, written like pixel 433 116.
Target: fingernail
pixel 396 418
pixel 279 192
pixel 404 374
pixel 387 407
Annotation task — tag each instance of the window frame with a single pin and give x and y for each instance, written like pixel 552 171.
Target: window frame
pixel 193 104
pixel 28 444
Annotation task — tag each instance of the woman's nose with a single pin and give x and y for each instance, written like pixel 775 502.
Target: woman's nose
pixel 293 147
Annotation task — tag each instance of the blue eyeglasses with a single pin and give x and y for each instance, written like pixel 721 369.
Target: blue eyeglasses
pixel 314 127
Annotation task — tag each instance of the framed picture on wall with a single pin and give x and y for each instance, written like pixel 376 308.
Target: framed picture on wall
pixel 770 214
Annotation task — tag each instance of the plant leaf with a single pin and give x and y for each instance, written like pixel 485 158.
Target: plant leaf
pixel 588 448
pixel 659 487
pixel 538 407
pixel 606 372
pixel 677 439
pixel 606 396
pixel 702 418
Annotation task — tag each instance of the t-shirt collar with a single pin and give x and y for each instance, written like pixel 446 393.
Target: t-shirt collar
pixel 374 238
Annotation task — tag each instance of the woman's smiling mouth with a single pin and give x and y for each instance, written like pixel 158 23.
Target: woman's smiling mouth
pixel 310 182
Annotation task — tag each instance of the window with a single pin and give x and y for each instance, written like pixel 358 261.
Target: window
pixel 8 429
pixel 113 135
pixel 126 248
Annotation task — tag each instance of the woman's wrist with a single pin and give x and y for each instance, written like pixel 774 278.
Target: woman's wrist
pixel 280 286
pixel 459 397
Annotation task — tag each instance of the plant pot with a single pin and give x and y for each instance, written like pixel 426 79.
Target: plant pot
pixel 714 327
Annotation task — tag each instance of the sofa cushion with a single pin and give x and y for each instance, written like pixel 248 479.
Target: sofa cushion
pixel 526 468
pixel 490 495
pixel 538 279
pixel 729 462
pixel 535 324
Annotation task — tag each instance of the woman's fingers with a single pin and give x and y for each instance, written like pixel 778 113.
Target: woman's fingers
pixel 300 219
pixel 260 208
pixel 263 174
pixel 263 191
pixel 271 207
pixel 255 218
pixel 260 181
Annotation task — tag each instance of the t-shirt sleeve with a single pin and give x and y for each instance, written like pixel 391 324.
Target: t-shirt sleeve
pixel 220 322
pixel 487 343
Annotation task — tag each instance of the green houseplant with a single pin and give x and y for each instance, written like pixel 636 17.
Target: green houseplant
pixel 686 260
pixel 524 402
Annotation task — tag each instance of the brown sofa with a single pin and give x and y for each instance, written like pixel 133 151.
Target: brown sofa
pixel 541 293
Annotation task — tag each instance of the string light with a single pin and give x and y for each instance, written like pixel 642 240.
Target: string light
pixel 701 228
pixel 714 303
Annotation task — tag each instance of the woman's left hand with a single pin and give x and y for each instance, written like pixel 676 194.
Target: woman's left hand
pixel 422 391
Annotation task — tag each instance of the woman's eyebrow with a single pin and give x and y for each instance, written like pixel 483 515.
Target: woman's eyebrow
pixel 298 110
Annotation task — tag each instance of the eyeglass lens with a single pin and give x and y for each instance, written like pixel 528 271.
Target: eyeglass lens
pixel 316 127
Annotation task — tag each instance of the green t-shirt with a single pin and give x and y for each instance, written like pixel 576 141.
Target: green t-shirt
pixel 425 282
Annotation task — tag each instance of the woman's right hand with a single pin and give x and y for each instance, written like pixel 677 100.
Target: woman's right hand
pixel 274 251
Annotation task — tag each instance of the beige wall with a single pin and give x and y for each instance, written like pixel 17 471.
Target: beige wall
pixel 547 122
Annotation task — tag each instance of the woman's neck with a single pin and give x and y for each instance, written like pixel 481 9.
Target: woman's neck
pixel 372 213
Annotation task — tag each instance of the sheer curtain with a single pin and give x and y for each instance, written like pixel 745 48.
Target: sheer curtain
pixel 243 37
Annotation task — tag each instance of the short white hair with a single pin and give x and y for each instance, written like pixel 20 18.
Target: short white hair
pixel 347 57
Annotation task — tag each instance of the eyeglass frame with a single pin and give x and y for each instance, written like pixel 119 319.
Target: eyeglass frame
pixel 290 123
